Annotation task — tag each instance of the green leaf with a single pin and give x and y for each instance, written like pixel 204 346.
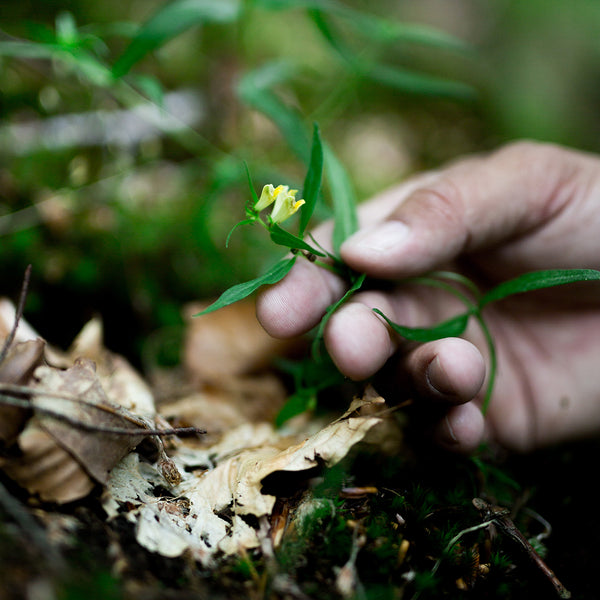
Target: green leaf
pixel 28 50
pixel 255 90
pixel 450 328
pixel 538 280
pixel 312 182
pixel 296 404
pixel 253 194
pixel 87 65
pixel 289 240
pixel 417 83
pixel 66 29
pixel 356 285
pixel 150 87
pixel 344 199
pixel 243 290
pixel 169 21
pixel 377 28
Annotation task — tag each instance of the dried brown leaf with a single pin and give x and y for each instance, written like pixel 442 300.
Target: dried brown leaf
pixel 46 469
pixel 226 343
pixel 84 406
pixel 20 361
pixel 226 478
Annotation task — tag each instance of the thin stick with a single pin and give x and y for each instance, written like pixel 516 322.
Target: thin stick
pixel 18 314
pixel 142 428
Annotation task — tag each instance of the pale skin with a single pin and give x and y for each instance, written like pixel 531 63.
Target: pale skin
pixel 525 207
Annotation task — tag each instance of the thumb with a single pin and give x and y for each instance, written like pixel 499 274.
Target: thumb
pixel 475 204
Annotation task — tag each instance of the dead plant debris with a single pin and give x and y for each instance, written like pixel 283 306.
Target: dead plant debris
pixel 322 508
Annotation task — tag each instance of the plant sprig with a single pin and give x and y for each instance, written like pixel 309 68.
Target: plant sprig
pixel 345 223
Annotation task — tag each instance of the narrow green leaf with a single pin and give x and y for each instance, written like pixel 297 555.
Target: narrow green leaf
pixel 538 280
pixel 243 290
pixel 169 21
pixel 413 82
pixel 150 87
pixel 343 197
pixel 377 28
pixel 312 181
pixel 251 185
pixel 356 285
pixel 282 237
pixel 255 90
pixel 450 328
pixel 238 224
pixel 28 50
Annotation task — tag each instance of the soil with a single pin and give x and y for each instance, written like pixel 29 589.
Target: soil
pixel 71 552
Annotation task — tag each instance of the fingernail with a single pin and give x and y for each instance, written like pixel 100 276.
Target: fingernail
pixel 437 378
pixel 446 434
pixel 380 238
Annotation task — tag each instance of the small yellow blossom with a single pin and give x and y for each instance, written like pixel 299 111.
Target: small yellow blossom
pixel 285 205
pixel 285 202
pixel 268 196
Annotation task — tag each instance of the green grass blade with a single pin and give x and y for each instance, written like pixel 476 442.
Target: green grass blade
pixel 255 90
pixel 243 290
pixel 343 197
pixel 452 327
pixel 413 82
pixel 538 280
pixel 28 50
pixel 312 181
pixel 169 21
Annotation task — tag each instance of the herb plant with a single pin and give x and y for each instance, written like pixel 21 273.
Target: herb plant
pixel 286 205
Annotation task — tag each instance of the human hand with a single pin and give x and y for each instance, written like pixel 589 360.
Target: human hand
pixel 525 207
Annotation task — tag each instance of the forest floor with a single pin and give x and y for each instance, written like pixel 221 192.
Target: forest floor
pixel 337 506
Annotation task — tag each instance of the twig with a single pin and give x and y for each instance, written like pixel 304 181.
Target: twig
pixel 499 517
pixel 18 314
pixel 143 428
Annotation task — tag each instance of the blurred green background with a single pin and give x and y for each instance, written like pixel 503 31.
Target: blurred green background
pixel 125 124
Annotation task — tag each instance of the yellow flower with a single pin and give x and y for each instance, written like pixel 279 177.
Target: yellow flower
pixel 285 202
pixel 285 205
pixel 268 196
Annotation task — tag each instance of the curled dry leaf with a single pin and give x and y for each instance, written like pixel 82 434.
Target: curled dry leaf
pixel 237 401
pixel 8 313
pixel 223 484
pixel 72 415
pixel 79 405
pixel 121 382
pixel 44 468
pixel 18 365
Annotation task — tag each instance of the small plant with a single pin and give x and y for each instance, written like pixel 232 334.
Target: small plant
pixel 286 205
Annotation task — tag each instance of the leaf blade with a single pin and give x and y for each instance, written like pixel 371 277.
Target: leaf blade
pixel 169 21
pixel 312 181
pixel 343 197
pixel 282 237
pixel 538 280
pixel 452 327
pixel 242 290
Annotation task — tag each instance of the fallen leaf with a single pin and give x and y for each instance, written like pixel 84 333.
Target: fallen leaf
pixel 18 365
pixel 226 343
pixel 121 382
pixel 44 468
pixel 223 484
pixel 79 405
